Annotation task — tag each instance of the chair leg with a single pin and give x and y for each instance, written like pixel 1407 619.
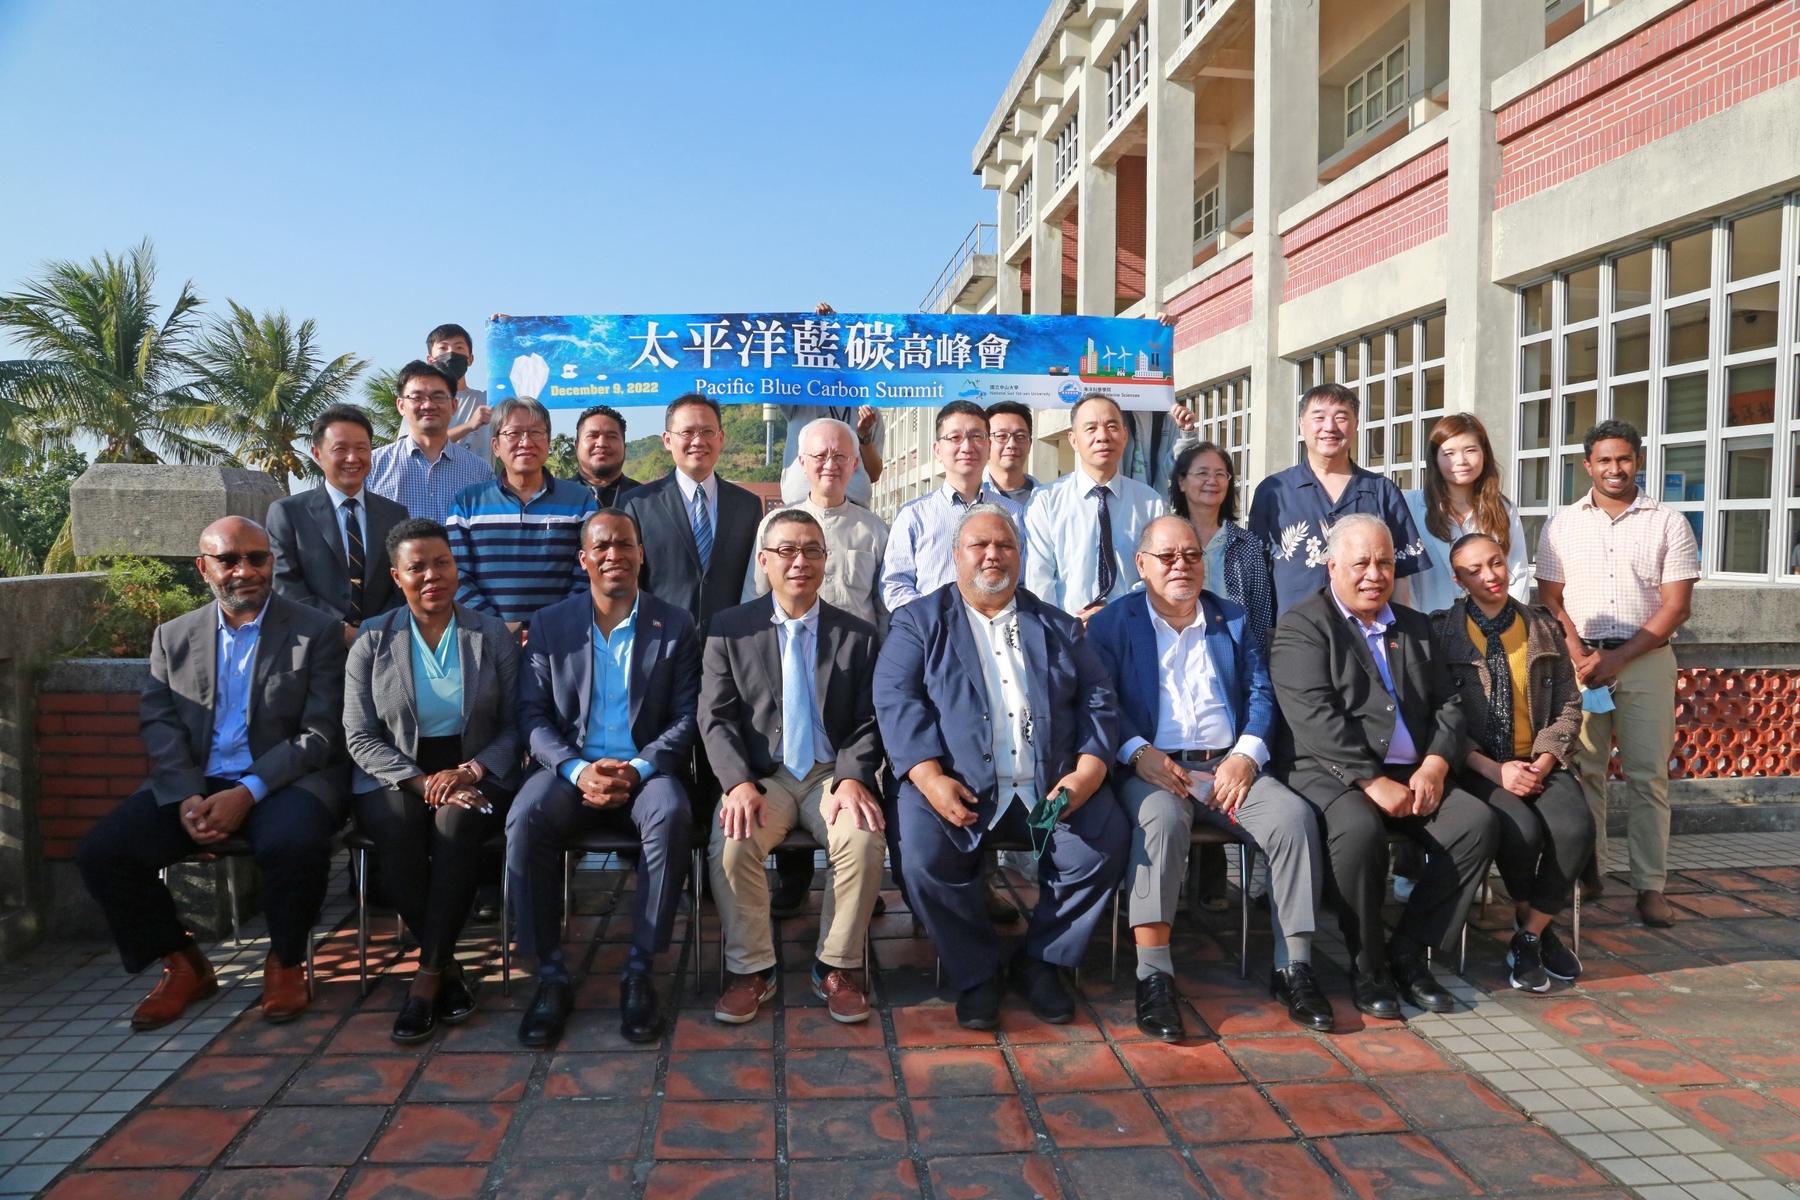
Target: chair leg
pixel 1115 934
pixel 505 932
pixel 869 963
pixel 231 895
pixel 361 859
pixel 1577 917
pixel 568 891
pixel 1246 864
pixel 311 977
pixel 1462 953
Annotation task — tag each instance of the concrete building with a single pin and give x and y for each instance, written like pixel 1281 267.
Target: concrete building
pixel 1544 213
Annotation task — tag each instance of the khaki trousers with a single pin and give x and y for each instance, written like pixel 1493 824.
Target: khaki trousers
pixel 1643 722
pixel 741 886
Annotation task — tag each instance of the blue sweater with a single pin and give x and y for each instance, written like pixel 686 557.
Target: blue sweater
pixel 516 557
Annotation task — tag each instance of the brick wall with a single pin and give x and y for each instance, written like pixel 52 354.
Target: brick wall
pixel 89 756
pixel 1071 256
pixel 1698 60
pixel 1217 303
pixel 1129 260
pixel 1407 207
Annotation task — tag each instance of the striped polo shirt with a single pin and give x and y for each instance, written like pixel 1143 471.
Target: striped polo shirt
pixel 515 556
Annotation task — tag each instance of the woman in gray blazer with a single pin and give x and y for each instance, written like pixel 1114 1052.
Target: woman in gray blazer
pixel 428 717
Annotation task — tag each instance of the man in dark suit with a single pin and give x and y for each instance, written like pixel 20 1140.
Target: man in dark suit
pixel 243 722
pixel 330 542
pixel 787 714
pixel 607 697
pixel 1374 721
pixel 992 706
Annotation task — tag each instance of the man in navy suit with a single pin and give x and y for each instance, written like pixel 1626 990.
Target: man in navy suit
pixel 991 704
pixel 608 696
pixel 1197 712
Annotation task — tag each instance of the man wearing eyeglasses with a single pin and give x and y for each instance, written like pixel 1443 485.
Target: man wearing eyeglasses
pixel 1196 713
pixel 865 460
pixel 423 469
pixel 855 538
pixel 1009 439
pixel 516 537
pixel 787 715
pixel 243 722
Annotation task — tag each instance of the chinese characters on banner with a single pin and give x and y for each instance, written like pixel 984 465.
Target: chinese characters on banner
pixel 883 359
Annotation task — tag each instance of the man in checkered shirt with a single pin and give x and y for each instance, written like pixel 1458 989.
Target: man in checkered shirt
pixel 1618 570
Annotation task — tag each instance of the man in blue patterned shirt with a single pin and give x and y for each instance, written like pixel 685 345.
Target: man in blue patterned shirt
pixel 422 468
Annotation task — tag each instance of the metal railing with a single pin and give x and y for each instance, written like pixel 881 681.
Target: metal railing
pixel 980 240
pixel 1128 72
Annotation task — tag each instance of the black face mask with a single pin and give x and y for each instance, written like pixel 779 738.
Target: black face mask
pixel 452 364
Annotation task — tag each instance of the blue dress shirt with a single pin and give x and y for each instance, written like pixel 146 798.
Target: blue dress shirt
pixel 1401 749
pixel 230 756
pixel 823 750
pixel 919 559
pixel 438 683
pixel 609 704
pixel 1063 527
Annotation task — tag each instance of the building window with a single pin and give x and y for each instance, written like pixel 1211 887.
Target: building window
pixel 1398 377
pixel 1691 339
pixel 1206 214
pixel 1222 414
pixel 1192 13
pixel 1376 94
pixel 1023 208
pixel 1128 72
pixel 1068 147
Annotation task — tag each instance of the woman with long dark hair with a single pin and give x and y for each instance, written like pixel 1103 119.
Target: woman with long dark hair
pixel 1462 495
pixel 1203 491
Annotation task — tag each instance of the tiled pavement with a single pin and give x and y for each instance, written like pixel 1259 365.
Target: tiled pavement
pixel 1674 1070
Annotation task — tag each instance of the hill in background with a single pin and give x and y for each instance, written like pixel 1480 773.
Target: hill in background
pixel 741 461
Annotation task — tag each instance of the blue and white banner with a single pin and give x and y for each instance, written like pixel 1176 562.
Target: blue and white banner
pixel 883 359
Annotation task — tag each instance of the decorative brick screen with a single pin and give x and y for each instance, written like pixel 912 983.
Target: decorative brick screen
pixel 1736 723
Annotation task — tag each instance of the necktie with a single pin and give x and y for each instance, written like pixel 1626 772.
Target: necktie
pixel 1106 571
pixel 796 704
pixel 702 529
pixel 353 544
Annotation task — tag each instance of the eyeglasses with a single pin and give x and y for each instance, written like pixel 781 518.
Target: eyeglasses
pixel 258 559
pixel 694 435
pixel 428 398
pixel 523 435
pixel 1170 557
pixel 1208 476
pixel 1020 438
pixel 957 439
pixel 812 551
pixel 819 460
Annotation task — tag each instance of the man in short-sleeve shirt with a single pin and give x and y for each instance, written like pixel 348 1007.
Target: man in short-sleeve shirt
pixel 1618 570
pixel 1294 509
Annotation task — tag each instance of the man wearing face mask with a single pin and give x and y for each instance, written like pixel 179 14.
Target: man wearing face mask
pixel 451 350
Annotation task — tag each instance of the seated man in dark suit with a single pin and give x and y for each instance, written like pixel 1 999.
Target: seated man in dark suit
pixel 330 542
pixel 607 695
pixel 1374 721
pixel 1197 714
pixel 992 706
pixel 787 713
pixel 243 720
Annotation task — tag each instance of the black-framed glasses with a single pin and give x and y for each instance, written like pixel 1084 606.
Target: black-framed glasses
pixel 812 551
pixel 1169 558
pixel 957 439
pixel 231 559
pixel 1019 438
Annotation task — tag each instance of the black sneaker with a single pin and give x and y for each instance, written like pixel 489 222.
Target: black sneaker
pixel 1527 963
pixel 1559 961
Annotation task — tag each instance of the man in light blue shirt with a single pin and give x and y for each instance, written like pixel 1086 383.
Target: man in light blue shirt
pixel 422 468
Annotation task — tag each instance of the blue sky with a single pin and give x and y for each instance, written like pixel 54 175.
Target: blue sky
pixel 382 167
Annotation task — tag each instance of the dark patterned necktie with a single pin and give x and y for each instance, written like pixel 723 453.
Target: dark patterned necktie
pixel 1106 572
pixel 353 543
pixel 703 531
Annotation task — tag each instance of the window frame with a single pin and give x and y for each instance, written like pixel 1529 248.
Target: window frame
pixel 1352 364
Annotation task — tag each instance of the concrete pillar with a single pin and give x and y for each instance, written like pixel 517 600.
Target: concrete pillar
pixel 1007 294
pixel 1097 205
pixel 1286 170
pixel 1169 157
pixel 1489 38
pixel 1046 237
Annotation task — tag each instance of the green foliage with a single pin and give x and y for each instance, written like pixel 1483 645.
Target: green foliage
pixel 378 392
pixel 741 461
pixel 141 593
pixel 36 499
pixel 562 462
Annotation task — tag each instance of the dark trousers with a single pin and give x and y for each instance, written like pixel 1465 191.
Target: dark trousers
pixel 947 885
pixel 289 833
pixel 1544 841
pixel 1459 838
pixel 548 811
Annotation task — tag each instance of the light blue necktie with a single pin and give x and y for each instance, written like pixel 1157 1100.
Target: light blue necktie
pixel 796 704
pixel 703 534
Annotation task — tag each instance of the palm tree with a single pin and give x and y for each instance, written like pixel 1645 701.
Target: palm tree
pixel 264 380
pixel 379 390
pixel 104 365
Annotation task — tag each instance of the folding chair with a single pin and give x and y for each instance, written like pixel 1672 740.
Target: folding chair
pixel 360 845
pixel 1204 835
pixel 234 847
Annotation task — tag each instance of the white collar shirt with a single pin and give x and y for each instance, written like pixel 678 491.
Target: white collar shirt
pixel 362 516
pixel 1062 536
pixel 1003 671
pixel 709 487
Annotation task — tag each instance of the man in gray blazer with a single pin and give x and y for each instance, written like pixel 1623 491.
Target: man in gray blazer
pixel 787 714
pixel 330 542
pixel 243 721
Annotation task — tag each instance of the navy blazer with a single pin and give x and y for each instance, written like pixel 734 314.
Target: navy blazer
pixel 672 561
pixel 931 699
pixel 1124 638
pixel 310 567
pixel 558 672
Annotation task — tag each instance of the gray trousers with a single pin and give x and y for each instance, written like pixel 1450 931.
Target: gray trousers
pixel 1280 823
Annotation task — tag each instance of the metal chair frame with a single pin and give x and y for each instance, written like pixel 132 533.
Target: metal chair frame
pixel 361 846
pixel 1206 835
pixel 231 848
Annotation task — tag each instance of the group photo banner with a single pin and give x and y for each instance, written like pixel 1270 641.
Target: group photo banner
pixel 881 359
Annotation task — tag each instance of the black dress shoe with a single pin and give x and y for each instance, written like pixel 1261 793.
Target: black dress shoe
pixel 979 1007
pixel 487 902
pixel 542 1023
pixel 1298 988
pixel 455 1002
pixel 1375 994
pixel 640 1016
pixel 416 1023
pixel 1041 985
pixel 789 898
pixel 880 906
pixel 1159 1008
pixel 1415 981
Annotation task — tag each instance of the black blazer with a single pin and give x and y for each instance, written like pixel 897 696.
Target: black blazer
pixel 740 693
pixel 1339 716
pixel 672 561
pixel 310 566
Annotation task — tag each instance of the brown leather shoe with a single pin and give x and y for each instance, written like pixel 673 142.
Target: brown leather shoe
pixel 1654 910
pixel 284 991
pixel 843 996
pixel 744 994
pixel 186 977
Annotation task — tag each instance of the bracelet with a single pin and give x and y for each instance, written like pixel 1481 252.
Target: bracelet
pixel 1141 751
